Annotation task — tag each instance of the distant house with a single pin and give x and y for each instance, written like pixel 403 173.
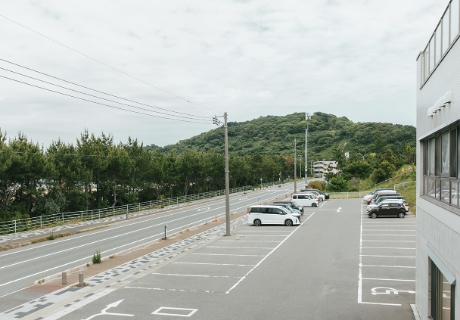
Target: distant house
pixel 324 166
pixel 438 171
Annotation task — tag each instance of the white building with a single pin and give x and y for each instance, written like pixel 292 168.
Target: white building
pixel 438 170
pixel 324 166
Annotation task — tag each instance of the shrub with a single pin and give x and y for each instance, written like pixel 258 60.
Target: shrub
pixel 97 257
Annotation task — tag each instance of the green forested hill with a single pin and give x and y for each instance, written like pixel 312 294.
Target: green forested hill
pixel 275 135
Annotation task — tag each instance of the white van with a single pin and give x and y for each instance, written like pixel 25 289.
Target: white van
pixel 305 200
pixel 269 214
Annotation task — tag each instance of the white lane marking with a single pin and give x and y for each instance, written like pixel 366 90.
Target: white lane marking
pixel 388 290
pixel 228 254
pixel 260 262
pixel 397 248
pixel 378 256
pixel 190 275
pixel 215 264
pixel 338 210
pixel 381 279
pixel 222 247
pixel 107 251
pixel 383 266
pixel 127 225
pixel 160 312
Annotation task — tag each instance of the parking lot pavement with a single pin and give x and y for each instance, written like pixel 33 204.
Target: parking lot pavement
pixel 387 261
pixel 311 271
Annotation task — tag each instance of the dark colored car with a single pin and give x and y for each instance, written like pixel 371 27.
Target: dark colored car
pixel 326 195
pixel 388 210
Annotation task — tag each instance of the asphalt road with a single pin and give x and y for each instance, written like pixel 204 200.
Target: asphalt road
pixel 20 268
pixel 338 264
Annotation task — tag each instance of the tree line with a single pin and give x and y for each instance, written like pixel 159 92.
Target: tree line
pixel 96 172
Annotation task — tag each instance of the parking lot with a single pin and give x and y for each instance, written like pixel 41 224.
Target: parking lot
pixel 387 260
pixel 338 264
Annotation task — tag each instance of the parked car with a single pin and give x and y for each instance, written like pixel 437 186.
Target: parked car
pixel 305 200
pixel 270 214
pixel 377 193
pixel 374 205
pixel 379 197
pixel 294 212
pixel 371 194
pixel 292 204
pixel 326 195
pixel 388 210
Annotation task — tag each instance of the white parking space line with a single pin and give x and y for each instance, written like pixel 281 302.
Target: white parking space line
pixel 384 266
pixel 386 234
pixel 222 247
pixel 190 275
pixel 229 254
pixel 384 240
pixel 380 279
pixel 398 234
pixel 215 264
pixel 380 256
pixel 260 262
pixel 263 241
pixel 389 248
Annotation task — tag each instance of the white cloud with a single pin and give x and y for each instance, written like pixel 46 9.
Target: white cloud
pixel 250 58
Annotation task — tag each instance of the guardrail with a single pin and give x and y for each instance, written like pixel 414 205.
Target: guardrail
pixel 21 225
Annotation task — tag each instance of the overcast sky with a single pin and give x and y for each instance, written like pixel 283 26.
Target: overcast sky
pixel 249 58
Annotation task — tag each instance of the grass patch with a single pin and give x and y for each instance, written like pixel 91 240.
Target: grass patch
pixel 97 257
pixel 409 193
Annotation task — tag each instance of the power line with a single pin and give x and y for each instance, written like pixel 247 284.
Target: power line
pixel 87 94
pixel 98 91
pixel 99 103
pixel 98 61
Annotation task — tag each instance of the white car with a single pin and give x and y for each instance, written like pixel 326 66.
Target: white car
pixel 320 197
pixel 270 214
pixel 368 196
pixel 305 200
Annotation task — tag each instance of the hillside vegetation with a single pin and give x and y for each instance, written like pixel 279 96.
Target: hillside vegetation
pixel 275 135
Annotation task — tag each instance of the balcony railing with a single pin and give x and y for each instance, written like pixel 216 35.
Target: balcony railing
pixel 442 39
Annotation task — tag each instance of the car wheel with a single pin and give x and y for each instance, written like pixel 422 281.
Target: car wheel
pixel 373 215
pixel 257 223
pixel 401 215
pixel 288 222
pixel 314 204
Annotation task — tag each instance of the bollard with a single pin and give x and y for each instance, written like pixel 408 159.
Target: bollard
pixel 81 283
pixel 64 278
pixel 166 230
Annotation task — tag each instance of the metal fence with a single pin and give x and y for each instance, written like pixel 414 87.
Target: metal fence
pixel 347 195
pixel 20 225
pixel 402 185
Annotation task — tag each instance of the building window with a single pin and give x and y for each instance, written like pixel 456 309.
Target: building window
pixel 442 295
pixel 441 164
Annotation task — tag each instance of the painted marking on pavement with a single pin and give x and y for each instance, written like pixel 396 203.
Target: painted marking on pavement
pixel 191 275
pixel 383 266
pixel 160 312
pixel 260 262
pixel 387 290
pixel 105 313
pixel 216 264
pixel 338 210
pixel 382 279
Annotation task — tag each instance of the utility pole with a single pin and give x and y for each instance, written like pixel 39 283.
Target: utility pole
pixel 227 175
pixel 307 117
pixel 295 165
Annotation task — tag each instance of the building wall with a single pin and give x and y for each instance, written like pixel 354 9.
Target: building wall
pixel 438 225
